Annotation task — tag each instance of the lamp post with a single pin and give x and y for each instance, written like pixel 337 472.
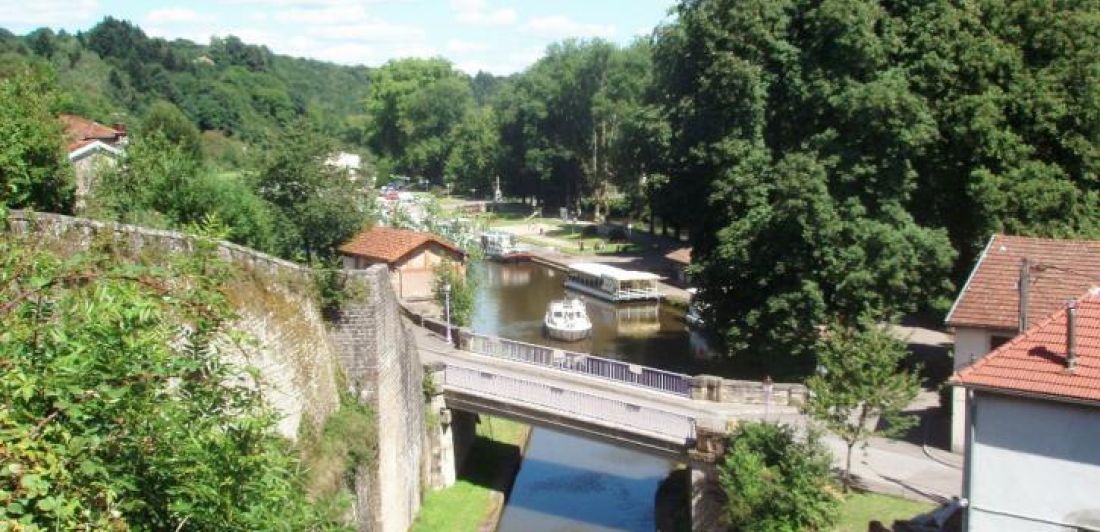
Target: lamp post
pixel 768 386
pixel 447 308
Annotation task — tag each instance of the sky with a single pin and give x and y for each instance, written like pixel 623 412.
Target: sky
pixel 498 36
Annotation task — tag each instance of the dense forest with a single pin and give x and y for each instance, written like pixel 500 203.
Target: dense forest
pixel 831 161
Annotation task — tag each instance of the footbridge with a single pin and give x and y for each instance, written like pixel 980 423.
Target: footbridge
pixel 670 414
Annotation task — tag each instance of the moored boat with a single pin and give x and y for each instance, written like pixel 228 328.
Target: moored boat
pixel 611 283
pixel 567 320
pixel 499 245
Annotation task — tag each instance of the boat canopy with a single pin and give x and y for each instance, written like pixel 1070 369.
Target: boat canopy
pixel 603 270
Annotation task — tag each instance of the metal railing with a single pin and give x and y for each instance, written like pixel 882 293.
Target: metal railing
pixel 578 405
pixel 595 366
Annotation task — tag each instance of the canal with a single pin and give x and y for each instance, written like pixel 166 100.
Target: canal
pixel 569 483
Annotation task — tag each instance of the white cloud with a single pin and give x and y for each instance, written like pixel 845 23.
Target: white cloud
pixel 459 46
pixel 501 65
pixel 477 13
pixel 325 15
pixel 173 15
pixel 367 31
pixel 53 13
pixel 558 26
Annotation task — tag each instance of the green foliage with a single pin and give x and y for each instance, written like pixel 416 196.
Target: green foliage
pixel 855 149
pixel 415 107
pixel 346 443
pixel 319 206
pixel 860 389
pixel 119 410
pixel 167 120
pixel 462 289
pixel 331 285
pixel 34 171
pixel 774 481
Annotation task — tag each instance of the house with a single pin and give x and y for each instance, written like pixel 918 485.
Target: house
pixel 410 255
pixel 91 147
pixel 681 259
pixel 988 310
pixel 1033 438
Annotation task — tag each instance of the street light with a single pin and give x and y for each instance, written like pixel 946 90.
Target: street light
pixel 768 387
pixel 447 308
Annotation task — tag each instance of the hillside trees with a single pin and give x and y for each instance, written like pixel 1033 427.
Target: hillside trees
pixel 562 122
pixel 414 109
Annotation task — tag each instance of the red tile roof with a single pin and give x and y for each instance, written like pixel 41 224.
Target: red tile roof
pixel 390 245
pixel 1060 270
pixel 1035 362
pixel 80 131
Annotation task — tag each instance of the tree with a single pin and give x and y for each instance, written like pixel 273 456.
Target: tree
pixel 319 206
pixel 414 107
pixel 34 172
pixel 119 411
pixel 167 119
pixel 860 389
pixel 773 480
pixel 449 279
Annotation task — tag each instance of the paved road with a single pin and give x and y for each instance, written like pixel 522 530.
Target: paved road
pixel 886 466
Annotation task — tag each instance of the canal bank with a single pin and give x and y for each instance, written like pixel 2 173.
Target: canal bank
pixel 476 501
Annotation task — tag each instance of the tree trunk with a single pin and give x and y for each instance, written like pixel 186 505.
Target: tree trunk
pixel 848 469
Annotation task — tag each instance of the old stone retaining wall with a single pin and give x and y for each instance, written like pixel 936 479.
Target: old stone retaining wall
pixel 303 361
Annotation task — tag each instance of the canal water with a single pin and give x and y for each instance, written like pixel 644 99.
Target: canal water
pixel 568 483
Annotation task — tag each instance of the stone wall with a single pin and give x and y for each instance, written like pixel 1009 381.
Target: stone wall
pixel 718 389
pixel 382 367
pixel 303 361
pixel 273 297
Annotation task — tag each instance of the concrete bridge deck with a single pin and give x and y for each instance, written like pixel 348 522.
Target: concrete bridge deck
pixel 644 418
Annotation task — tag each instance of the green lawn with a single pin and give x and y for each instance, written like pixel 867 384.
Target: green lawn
pixel 464 506
pixel 859 509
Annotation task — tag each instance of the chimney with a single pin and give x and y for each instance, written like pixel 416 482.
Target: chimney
pixel 1024 288
pixel 1071 335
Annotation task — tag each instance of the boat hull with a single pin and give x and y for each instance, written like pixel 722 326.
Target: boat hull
pixel 567 335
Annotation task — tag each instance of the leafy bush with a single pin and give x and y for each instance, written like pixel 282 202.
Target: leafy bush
pixel 617 234
pixel 462 291
pixel 118 410
pixel 590 231
pixel 775 481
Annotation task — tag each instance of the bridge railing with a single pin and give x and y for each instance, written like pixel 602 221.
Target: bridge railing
pixel 582 406
pixel 595 366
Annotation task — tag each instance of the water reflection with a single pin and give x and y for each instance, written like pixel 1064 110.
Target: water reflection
pixel 570 483
pixel 567 482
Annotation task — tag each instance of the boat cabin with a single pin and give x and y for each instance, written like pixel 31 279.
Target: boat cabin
pixel 611 283
pixel 497 244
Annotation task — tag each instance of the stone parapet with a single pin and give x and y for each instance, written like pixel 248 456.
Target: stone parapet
pixel 722 390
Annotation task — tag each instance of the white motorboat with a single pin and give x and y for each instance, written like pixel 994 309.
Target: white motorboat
pixel 567 320
pixel 696 308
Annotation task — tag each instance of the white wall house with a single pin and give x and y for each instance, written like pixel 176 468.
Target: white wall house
pixel 988 310
pixel 1033 433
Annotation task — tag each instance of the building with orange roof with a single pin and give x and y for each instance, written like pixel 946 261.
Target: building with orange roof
pixel 990 311
pixel 410 255
pixel 1033 431
pixel 92 147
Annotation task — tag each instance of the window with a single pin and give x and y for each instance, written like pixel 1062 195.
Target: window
pixel 996 341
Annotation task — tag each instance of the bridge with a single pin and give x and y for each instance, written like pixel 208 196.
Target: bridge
pixel 672 415
pixel 660 412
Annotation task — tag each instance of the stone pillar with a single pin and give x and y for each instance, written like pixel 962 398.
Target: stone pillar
pixel 451 434
pixel 705 388
pixel 706 497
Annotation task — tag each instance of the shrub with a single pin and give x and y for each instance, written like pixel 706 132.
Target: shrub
pixel 775 481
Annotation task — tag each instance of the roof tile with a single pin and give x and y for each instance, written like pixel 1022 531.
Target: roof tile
pixel 389 244
pixel 1035 362
pixel 1061 270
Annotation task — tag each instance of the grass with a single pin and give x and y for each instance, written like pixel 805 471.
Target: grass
pixel 859 509
pixel 465 506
